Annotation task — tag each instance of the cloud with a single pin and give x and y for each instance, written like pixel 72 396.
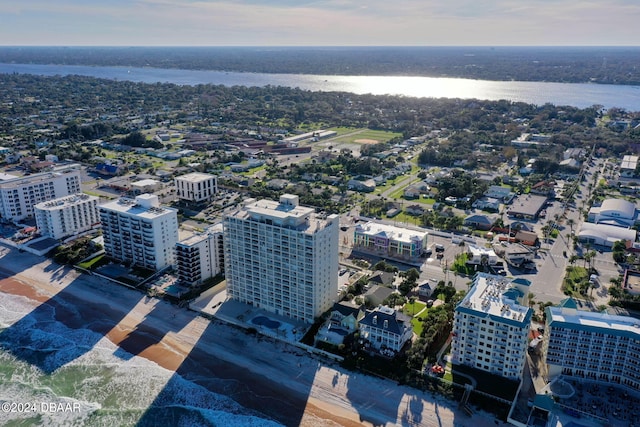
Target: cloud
pixel 320 22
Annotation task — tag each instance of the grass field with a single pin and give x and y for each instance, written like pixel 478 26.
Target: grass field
pixel 352 136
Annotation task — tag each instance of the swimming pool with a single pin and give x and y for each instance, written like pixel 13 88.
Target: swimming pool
pixel 265 321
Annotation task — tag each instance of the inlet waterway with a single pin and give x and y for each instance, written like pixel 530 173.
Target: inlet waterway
pixel 581 95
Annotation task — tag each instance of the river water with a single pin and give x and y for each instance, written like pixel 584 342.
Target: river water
pixel 579 95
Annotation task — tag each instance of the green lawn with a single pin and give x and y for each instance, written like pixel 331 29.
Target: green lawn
pixel 353 135
pixel 411 310
pixel 405 218
pixel 88 265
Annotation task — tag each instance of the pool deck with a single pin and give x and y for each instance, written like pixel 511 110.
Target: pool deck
pixel 241 314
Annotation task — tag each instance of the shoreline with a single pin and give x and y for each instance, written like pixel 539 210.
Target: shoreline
pixel 274 379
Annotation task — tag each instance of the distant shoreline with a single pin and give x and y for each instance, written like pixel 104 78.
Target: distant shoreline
pixel 614 65
pixel 580 95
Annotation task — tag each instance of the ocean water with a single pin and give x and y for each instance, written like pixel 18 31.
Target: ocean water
pixel 57 376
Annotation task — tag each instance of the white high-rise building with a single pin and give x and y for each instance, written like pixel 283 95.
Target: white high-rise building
pixel 67 216
pixel 196 186
pixel 140 231
pixel 490 327
pixel 19 195
pixel 201 256
pixel 282 257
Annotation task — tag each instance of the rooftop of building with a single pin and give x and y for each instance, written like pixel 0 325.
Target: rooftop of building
pixel 285 213
pixel 589 320
pixel 383 317
pixel 527 204
pixel 496 297
pixel 143 206
pixel 196 177
pixel 14 181
pixel 196 238
pixel 66 201
pixel 629 162
pixel 399 234
pixel 145 182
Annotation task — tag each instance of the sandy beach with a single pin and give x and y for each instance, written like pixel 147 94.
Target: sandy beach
pixel 277 380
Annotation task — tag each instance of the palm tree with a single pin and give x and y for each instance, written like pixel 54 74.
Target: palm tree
pixel 571 222
pixel 530 298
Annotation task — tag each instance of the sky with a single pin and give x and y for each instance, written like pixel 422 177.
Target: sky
pixel 320 22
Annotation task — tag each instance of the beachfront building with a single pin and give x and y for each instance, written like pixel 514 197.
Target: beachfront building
pixel 343 320
pixel 282 257
pixel 200 256
pixel 386 330
pixel 491 326
pixel 139 231
pixel 592 345
pixel 617 212
pixel 67 216
pixel 196 187
pixel 389 241
pixel 19 195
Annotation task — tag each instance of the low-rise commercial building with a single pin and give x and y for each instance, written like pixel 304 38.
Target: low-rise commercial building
pixel 618 212
pixel 196 187
pixel 527 206
pixel 389 241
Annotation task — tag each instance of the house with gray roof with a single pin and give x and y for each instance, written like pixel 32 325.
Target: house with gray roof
pixel 386 330
pixel 376 294
pixel 344 319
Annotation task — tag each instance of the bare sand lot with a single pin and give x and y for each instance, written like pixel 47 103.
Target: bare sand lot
pixel 367 141
pixel 278 380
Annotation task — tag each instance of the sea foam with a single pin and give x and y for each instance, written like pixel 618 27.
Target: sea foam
pixel 42 361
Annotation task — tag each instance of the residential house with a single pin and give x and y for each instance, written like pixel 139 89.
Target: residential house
pixel 527 238
pixel 376 295
pixel 416 190
pixel 382 278
pixel 386 330
pixel 487 204
pixel 425 290
pixel 479 222
pixel 344 319
pixel 415 210
pixel 504 194
pixel 366 186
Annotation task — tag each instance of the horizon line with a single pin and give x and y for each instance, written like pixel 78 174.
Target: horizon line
pixel 316 46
